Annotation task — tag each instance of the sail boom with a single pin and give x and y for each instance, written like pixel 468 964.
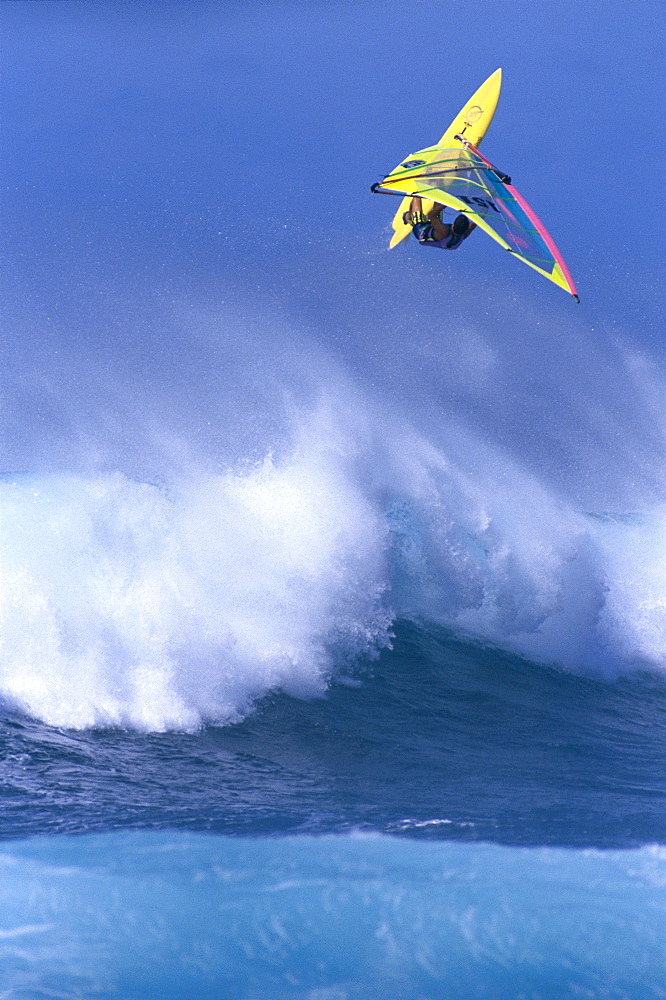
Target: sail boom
pixel 444 198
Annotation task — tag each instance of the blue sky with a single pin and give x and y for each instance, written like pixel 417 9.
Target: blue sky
pixel 165 161
pixel 125 113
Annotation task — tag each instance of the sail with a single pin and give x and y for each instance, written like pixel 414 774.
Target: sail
pixel 459 176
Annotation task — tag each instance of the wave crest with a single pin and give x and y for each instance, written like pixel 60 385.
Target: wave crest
pixel 133 604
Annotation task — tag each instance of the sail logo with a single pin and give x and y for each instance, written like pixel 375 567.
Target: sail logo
pixel 485 203
pixel 518 240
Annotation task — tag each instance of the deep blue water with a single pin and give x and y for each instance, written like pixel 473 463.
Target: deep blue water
pixel 403 750
pixel 333 631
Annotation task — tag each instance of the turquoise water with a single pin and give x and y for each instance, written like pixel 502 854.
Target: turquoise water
pixel 175 915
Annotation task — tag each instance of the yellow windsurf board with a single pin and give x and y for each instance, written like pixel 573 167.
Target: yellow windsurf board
pixel 471 122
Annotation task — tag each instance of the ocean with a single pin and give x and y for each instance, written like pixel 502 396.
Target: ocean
pixel 238 762
pixel 333 630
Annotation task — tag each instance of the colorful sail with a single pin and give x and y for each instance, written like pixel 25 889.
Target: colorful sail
pixel 459 176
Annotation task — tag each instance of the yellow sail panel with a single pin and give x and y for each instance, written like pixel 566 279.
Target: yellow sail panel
pixel 459 176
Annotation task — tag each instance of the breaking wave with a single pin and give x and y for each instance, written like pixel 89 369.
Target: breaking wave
pixel 165 605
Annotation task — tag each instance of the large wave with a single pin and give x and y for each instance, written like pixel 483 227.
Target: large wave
pixel 220 502
pixel 162 605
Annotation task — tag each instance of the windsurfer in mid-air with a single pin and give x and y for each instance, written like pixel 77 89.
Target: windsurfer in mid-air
pixel 432 232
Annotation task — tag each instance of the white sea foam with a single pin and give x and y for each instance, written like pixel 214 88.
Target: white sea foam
pixel 123 605
pixel 126 603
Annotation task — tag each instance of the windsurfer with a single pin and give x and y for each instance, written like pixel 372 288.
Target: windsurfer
pixel 431 231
